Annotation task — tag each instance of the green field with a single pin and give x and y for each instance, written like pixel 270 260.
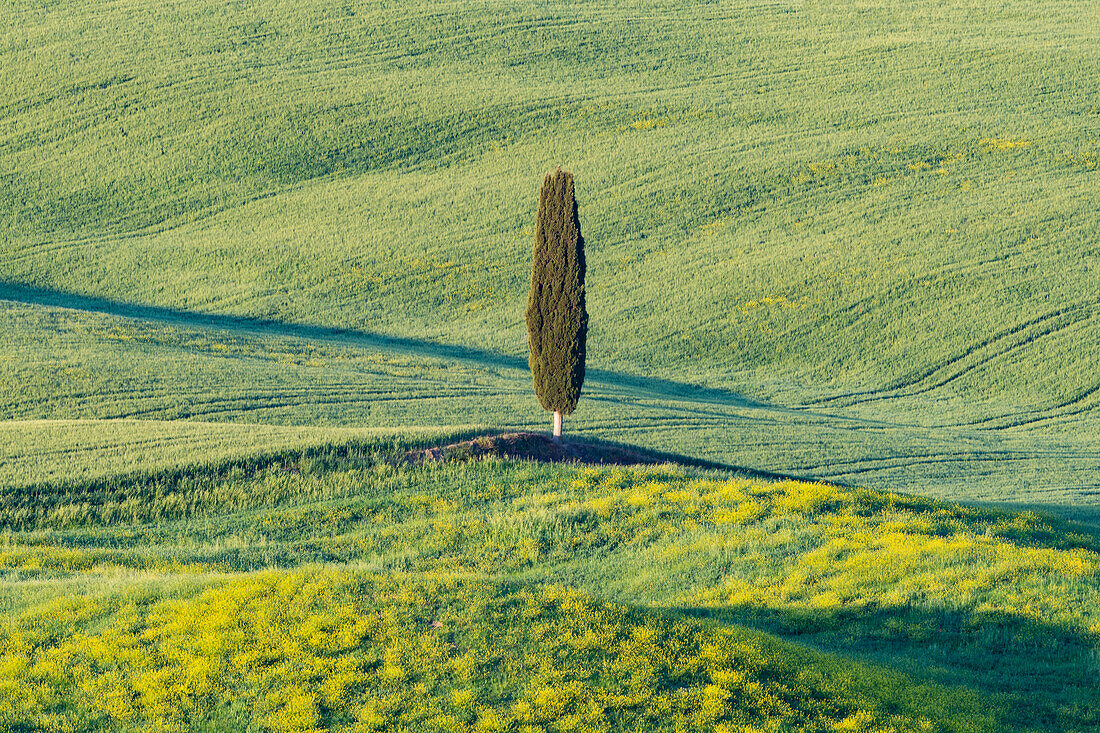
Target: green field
pixel 872 223
pixel 850 243
pixel 342 591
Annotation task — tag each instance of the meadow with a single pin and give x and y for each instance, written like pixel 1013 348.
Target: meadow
pixel 872 223
pixel 343 589
pixel 251 252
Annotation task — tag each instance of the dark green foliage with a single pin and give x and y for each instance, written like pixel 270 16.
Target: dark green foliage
pixel 557 322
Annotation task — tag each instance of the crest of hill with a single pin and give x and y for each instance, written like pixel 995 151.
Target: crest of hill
pixel 536 447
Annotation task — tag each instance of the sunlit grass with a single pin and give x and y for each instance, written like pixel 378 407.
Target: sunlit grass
pixel 321 650
pixel 34 452
pixel 244 248
pixel 793 202
pixel 928 595
pixel 739 154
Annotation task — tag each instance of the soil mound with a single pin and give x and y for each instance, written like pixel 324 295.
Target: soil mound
pixel 535 447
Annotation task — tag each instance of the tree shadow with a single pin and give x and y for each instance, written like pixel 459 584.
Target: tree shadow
pixel 650 386
pixel 615 385
pixel 653 456
pixel 1043 672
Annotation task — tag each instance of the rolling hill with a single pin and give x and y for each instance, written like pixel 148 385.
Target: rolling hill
pixel 343 589
pixel 851 243
pixel 251 253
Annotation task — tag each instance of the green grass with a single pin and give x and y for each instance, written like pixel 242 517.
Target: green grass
pixel 259 380
pixel 875 221
pixel 605 599
pixel 853 243
pixel 34 453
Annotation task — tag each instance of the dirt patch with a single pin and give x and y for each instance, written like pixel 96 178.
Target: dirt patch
pixel 534 447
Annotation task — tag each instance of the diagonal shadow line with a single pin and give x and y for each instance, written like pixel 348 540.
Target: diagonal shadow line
pixel 961 647
pixel 651 386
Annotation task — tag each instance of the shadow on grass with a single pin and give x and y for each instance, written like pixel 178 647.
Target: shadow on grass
pixel 25 503
pixel 38 498
pixel 619 386
pixel 1044 673
pixel 651 386
pixel 1084 514
pixel 650 455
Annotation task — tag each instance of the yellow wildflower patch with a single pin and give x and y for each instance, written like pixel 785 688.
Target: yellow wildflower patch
pixel 1005 143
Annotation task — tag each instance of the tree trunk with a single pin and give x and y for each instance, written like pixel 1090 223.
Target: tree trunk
pixel 557 427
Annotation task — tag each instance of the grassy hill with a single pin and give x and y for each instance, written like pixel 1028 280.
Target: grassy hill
pixel 252 252
pixel 873 224
pixel 344 589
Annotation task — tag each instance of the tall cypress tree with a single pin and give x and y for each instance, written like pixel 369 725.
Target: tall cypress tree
pixel 557 322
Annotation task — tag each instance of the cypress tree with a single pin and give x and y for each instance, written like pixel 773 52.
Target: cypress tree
pixel 557 322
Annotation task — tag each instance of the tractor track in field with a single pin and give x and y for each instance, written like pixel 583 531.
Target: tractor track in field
pixel 169 440
pixel 690 405
pixel 982 361
pixel 825 473
pixel 1029 419
pixel 971 358
pixel 200 404
pixel 854 466
pixel 208 395
pixel 251 405
pixel 649 386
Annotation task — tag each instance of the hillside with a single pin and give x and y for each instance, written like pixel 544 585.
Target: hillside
pixel 347 590
pixel 263 269
pixel 837 242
